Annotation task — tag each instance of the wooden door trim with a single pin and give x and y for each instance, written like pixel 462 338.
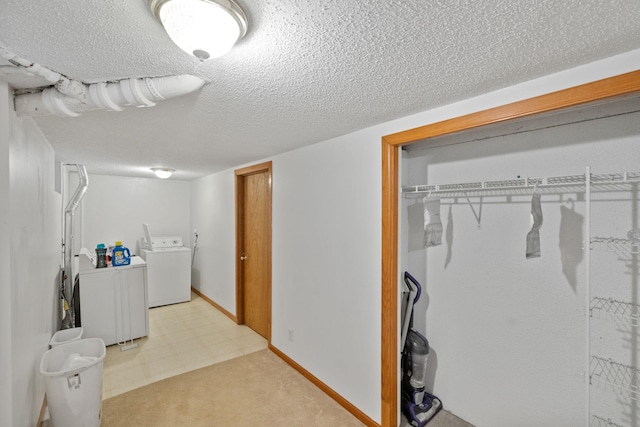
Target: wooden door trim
pixel 240 175
pixel 624 84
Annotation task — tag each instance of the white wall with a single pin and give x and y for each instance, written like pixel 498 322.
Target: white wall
pixel 114 208
pixel 326 264
pixel 213 215
pixel 6 397
pixel 33 286
pixel 327 236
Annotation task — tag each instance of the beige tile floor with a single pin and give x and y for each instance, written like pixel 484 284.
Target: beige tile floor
pixel 182 337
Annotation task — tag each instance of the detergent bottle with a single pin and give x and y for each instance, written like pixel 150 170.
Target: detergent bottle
pixel 120 255
pixel 101 255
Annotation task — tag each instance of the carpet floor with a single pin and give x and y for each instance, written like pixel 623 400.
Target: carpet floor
pixel 258 389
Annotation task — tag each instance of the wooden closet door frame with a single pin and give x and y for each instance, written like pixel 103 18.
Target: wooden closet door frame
pixel 240 175
pixel 601 90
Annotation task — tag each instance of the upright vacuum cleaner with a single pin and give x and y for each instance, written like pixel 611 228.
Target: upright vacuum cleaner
pixel 417 405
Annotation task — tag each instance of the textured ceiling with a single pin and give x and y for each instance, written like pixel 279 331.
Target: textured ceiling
pixel 306 71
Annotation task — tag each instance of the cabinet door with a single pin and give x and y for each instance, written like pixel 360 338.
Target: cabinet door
pixel 98 305
pixel 134 313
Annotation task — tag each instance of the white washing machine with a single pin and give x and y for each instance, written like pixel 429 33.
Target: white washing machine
pixel 168 271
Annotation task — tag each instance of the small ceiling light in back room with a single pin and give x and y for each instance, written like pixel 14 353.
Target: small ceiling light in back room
pixel 202 28
pixel 163 173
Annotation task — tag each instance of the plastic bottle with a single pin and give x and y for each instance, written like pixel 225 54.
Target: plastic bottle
pixel 109 253
pixel 120 255
pixel 101 256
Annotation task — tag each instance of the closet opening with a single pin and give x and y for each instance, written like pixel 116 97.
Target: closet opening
pixel 466 137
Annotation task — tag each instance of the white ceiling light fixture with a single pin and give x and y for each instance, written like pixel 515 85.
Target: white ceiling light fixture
pixel 163 173
pixel 202 28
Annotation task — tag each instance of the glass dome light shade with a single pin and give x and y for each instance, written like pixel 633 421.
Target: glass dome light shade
pixel 163 173
pixel 202 28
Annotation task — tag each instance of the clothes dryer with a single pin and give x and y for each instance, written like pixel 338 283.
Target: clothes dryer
pixel 168 271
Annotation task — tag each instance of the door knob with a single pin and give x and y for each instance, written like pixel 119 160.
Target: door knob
pixel 243 257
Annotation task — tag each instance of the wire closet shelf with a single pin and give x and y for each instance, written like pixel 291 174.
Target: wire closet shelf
pixel 621 247
pixel 609 181
pixel 597 421
pixel 622 379
pixel 617 311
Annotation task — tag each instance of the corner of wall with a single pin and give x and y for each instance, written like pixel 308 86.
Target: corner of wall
pixel 6 399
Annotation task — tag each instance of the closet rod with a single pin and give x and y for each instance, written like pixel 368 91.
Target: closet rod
pixel 526 183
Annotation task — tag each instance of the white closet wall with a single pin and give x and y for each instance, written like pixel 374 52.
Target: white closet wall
pixel 507 333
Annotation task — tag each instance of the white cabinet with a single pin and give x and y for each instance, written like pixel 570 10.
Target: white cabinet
pixel 113 302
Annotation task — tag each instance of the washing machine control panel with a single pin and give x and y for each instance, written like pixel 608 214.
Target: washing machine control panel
pixel 166 242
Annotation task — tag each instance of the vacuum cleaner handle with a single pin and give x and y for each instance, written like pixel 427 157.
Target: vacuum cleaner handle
pixel 408 277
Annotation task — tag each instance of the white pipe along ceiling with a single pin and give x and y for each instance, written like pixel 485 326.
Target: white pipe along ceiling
pixel 68 97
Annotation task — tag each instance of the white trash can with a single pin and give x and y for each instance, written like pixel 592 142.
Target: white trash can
pixel 64 336
pixel 73 382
